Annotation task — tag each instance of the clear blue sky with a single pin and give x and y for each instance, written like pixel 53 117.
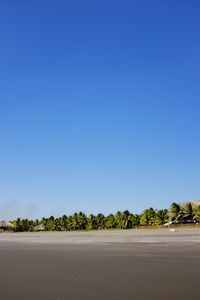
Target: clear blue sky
pixel 99 105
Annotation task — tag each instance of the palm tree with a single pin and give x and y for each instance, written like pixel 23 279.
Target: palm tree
pixel 57 224
pixel 119 219
pixel 188 211
pixel 70 223
pixel 75 224
pixel 17 225
pixel 100 219
pixel 44 223
pixel 197 214
pixel 135 220
pixel 175 210
pixel 124 220
pixel 162 216
pixel 92 222
pixel 110 221
pixel 64 222
pixel 50 224
pixel 148 217
pixel 81 221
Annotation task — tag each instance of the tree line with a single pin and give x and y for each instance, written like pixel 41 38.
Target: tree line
pixel 177 213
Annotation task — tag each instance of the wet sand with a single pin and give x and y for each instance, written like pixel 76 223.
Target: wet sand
pixel 134 264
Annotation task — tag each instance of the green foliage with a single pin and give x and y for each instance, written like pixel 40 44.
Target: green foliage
pixel 162 216
pixel 120 220
pixel 197 214
pixel 188 210
pixel 24 225
pixel 175 209
pixel 110 222
pixel 148 217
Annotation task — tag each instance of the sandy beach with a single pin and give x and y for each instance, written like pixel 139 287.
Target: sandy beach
pixel 133 264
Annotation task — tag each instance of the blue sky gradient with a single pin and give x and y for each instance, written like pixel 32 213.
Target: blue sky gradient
pixel 99 106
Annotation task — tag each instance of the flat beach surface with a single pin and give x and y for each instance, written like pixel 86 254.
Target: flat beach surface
pixel 133 264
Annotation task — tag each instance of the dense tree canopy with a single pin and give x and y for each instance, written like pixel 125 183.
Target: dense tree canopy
pixel 185 213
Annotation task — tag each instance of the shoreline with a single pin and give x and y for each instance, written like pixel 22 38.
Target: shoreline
pixel 182 236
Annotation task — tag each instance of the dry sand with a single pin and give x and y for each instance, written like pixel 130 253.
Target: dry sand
pixel 133 264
